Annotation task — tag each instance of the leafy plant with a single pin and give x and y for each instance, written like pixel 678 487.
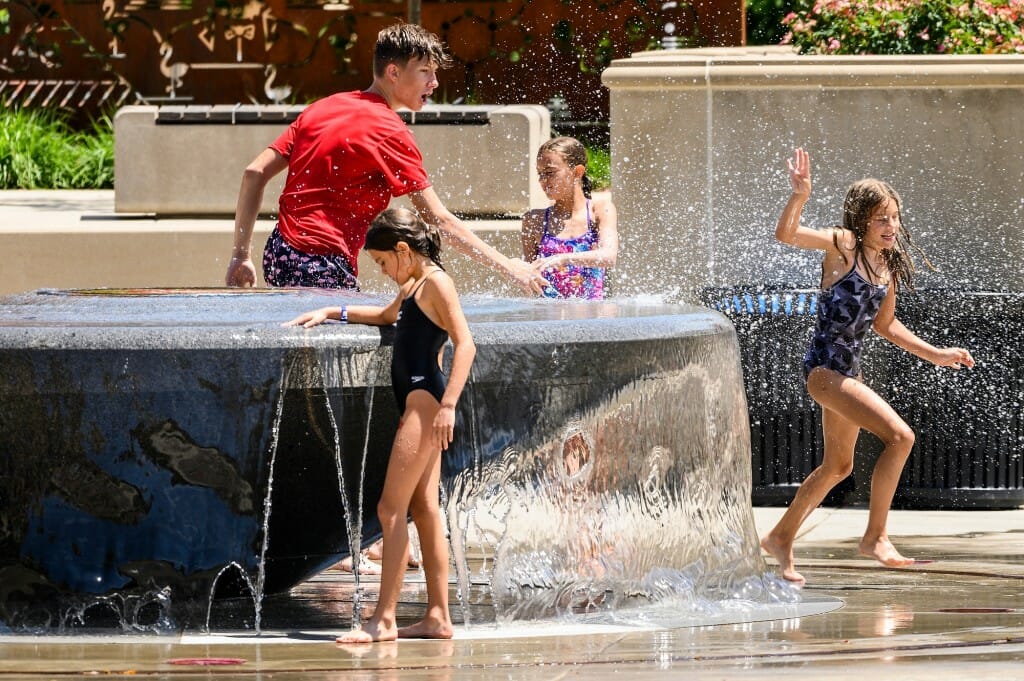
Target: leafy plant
pixel 764 20
pixel 39 150
pixel 599 167
pixel 907 27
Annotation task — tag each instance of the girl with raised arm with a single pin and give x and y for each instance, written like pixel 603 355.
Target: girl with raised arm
pixel 865 262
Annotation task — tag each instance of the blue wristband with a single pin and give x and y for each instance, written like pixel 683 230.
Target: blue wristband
pixel 344 314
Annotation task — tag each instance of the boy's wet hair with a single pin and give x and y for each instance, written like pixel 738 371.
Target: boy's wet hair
pixel 400 42
pixel 862 198
pixel 395 225
pixel 573 153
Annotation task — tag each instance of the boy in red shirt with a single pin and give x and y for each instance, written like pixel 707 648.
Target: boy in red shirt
pixel 347 155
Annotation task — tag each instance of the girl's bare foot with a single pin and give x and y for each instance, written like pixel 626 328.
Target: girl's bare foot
pixel 884 552
pixel 369 633
pixel 366 566
pixel 376 552
pixel 783 554
pixel 427 628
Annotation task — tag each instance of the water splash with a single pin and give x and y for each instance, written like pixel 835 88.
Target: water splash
pixel 275 431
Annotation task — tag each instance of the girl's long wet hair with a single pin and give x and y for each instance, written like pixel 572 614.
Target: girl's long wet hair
pixel 574 153
pixel 862 198
pixel 396 225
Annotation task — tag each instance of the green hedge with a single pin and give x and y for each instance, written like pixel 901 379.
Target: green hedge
pixel 907 27
pixel 39 150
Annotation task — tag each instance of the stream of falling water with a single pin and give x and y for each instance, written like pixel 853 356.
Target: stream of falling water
pixel 353 522
pixel 457 524
pixel 257 590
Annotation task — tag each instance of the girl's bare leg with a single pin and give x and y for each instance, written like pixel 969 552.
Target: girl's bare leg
pixel 426 514
pixel 405 469
pixel 840 437
pixel 848 405
pixel 862 405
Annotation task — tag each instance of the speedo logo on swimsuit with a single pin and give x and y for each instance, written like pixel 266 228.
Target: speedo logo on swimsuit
pixel 417 379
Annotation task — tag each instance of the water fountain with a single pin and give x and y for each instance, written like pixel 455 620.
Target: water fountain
pixel 705 133
pixel 160 446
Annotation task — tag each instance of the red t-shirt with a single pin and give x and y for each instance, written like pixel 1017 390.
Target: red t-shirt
pixel 348 154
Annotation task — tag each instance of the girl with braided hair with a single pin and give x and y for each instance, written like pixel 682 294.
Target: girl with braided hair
pixel 571 242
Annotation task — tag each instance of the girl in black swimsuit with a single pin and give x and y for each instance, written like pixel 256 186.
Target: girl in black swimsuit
pixel 865 262
pixel 428 313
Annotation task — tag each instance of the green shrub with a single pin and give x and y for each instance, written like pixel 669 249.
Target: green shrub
pixel 907 27
pixel 599 167
pixel 38 150
pixel 764 20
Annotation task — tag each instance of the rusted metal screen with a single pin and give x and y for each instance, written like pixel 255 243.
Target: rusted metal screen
pixel 89 54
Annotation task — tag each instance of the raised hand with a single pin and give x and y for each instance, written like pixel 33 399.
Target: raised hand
pixel 800 172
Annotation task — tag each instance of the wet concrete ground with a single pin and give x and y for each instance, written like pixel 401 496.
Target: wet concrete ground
pixel 959 617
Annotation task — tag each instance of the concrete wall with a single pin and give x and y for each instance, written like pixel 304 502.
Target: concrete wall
pixel 700 137
pixel 196 168
pixel 72 239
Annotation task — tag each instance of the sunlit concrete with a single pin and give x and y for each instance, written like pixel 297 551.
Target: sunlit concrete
pixel 959 617
pixel 74 239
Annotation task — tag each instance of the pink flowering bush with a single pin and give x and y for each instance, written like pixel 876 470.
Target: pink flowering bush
pixel 907 27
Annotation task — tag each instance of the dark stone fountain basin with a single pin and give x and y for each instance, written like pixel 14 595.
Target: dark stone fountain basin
pixel 152 440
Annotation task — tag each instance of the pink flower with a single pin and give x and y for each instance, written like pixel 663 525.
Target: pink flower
pixel 833 45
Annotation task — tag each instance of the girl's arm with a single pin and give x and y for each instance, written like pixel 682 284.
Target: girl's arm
pixel 440 295
pixel 533 226
pixel 893 330
pixel 241 271
pixel 462 239
pixel 607 251
pixel 373 315
pixel 789 230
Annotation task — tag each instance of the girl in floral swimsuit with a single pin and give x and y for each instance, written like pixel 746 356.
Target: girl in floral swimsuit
pixel 571 242
pixel 865 262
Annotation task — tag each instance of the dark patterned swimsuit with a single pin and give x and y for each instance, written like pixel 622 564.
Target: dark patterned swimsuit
pixel 414 358
pixel 846 311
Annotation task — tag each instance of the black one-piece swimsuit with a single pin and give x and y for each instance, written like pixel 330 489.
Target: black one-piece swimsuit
pixel 418 341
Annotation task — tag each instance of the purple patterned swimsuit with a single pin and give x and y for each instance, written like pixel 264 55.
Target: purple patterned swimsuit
pixel 845 312
pixel 571 281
